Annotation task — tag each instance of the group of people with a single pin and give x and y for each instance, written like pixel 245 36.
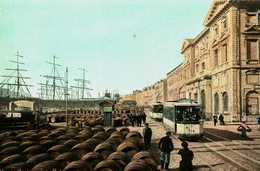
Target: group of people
pixel 220 118
pixel 137 118
pixel 166 146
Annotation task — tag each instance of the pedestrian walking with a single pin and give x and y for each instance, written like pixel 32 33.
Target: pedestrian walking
pixel 221 119
pixel 215 119
pixel 134 119
pixel 139 120
pixel 186 157
pixel 147 133
pixel 166 146
pixel 131 118
pixel 144 117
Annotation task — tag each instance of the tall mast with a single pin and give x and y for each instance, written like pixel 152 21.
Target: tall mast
pixel 66 93
pixel 15 82
pixel 81 84
pixel 53 90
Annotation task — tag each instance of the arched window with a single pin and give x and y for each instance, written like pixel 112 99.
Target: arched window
pixel 252 103
pixel 203 100
pixel 216 103
pixel 225 102
pixel 196 97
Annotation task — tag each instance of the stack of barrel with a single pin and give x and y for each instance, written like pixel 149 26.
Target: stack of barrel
pixel 87 149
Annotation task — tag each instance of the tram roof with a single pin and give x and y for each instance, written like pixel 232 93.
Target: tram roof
pixel 182 102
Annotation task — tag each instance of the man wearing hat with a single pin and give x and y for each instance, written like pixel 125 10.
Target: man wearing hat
pixel 147 132
pixel 166 146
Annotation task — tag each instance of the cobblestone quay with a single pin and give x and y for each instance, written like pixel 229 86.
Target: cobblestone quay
pixel 222 148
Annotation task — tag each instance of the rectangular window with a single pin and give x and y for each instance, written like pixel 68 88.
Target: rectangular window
pixel 195 97
pixel 252 50
pixel 225 24
pixel 203 65
pixel 225 53
pixel 197 67
pixel 253 79
pixel 216 30
pixel 252 19
pixel 216 57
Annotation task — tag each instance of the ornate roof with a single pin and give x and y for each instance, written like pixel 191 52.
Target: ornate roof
pixel 186 43
pixel 216 7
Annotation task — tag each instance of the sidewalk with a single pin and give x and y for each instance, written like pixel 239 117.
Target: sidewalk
pixel 230 123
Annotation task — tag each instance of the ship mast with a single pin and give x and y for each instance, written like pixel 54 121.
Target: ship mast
pixel 14 82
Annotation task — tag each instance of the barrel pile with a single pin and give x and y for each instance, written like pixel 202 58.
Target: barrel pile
pixel 89 149
pixel 97 119
pixel 87 120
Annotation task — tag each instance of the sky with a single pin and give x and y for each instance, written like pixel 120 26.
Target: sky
pixel 124 44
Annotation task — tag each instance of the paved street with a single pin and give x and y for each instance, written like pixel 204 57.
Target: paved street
pixel 222 148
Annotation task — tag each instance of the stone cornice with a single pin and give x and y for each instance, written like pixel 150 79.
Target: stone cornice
pixel 186 43
pixel 213 14
pixel 200 35
pixel 254 29
pixel 174 69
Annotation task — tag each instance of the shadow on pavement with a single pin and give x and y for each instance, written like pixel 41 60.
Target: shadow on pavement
pixel 226 134
pixel 196 167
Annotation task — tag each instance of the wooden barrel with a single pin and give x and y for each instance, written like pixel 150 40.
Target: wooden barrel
pixel 92 158
pixel 79 165
pixel 26 144
pixel 33 150
pixel 127 146
pixel 108 165
pixel 34 160
pixel 48 143
pixel 110 130
pixel 142 155
pixel 67 157
pixel 11 160
pixel 120 157
pixel 104 146
pixel 9 144
pixel 101 135
pixel 48 165
pixel 17 166
pixel 70 143
pixel 138 165
pixel 9 151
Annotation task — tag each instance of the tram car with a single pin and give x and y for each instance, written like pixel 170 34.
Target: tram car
pixel 184 118
pixel 156 112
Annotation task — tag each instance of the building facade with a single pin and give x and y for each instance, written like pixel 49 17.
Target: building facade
pixel 149 95
pixel 221 65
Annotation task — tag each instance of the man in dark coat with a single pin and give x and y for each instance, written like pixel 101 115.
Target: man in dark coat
pixel 166 146
pixel 215 119
pixel 143 117
pixel 147 132
pixel 186 157
pixel 221 119
pixel 139 120
pixel 131 118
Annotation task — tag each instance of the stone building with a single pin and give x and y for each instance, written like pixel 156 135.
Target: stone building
pixel 221 65
pixel 149 95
